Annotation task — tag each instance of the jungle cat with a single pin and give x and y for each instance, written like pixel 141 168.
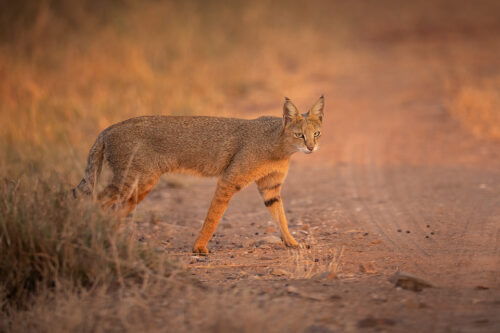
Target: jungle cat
pixel 237 151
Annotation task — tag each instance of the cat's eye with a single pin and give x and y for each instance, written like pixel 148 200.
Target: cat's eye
pixel 299 135
pixel 316 134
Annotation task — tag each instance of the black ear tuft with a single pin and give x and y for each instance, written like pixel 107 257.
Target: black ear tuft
pixel 317 109
pixel 290 111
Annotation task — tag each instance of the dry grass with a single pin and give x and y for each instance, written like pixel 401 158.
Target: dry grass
pixel 313 261
pixel 61 257
pixel 49 240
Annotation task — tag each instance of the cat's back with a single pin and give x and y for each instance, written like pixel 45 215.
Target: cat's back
pixel 173 123
pixel 199 128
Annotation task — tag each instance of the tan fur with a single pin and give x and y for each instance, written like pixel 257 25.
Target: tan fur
pixel 238 151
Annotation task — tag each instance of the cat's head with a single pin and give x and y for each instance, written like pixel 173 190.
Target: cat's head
pixel 303 131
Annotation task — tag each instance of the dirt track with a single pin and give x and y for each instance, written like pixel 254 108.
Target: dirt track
pixel 397 184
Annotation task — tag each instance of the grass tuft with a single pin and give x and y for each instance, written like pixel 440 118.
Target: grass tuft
pixel 49 240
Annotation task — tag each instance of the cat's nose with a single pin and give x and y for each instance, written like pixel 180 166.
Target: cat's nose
pixel 310 148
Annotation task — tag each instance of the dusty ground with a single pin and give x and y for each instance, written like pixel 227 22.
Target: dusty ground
pixel 396 185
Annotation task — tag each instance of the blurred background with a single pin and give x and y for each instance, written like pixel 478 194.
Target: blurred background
pixel 71 68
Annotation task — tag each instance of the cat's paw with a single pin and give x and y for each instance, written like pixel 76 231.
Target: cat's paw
pixel 200 250
pixel 291 243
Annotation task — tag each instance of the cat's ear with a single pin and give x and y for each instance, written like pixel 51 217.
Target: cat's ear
pixel 290 111
pixel 317 109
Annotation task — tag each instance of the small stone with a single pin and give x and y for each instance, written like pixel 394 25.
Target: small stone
pixel 428 226
pixel 409 282
pixel 399 230
pixel 271 239
pixel 316 260
pixel 407 231
pixel 481 288
pixel 432 232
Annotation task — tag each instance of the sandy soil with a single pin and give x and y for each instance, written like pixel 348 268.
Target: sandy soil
pixel 396 185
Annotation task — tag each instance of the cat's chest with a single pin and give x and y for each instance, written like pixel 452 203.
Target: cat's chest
pixel 269 167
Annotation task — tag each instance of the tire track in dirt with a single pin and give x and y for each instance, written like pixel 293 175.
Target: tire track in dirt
pixel 364 180
pixel 365 172
pixel 393 204
pixel 389 212
pixel 356 189
pixel 413 248
pixel 404 192
pixel 462 205
pixel 478 217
